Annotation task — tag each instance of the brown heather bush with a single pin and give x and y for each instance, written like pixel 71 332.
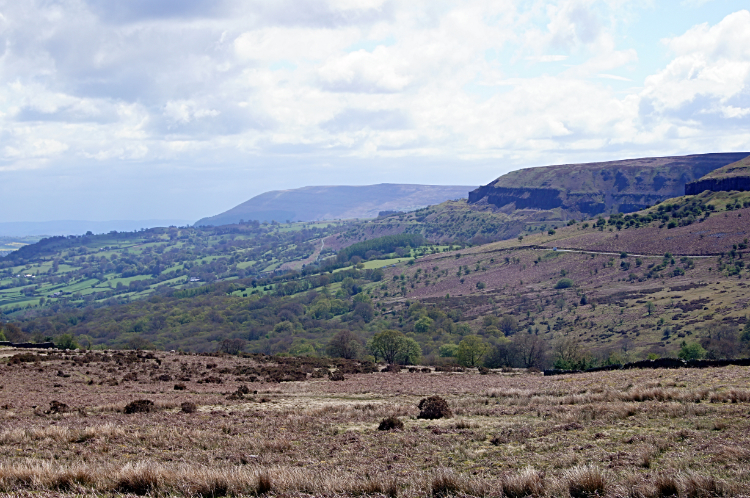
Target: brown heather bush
pixel 390 423
pixel 180 387
pixel 139 406
pixel 188 407
pixel 336 376
pixel 434 407
pixel 58 407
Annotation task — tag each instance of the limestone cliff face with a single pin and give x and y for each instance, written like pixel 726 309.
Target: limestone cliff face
pixel 598 188
pixel 718 185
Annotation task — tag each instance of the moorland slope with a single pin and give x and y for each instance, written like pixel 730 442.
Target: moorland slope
pixel 592 189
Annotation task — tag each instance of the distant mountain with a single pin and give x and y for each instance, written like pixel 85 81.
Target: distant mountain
pixel 600 188
pixel 79 227
pixel 336 202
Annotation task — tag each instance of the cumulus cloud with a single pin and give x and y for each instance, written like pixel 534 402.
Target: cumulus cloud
pixel 709 77
pixel 229 88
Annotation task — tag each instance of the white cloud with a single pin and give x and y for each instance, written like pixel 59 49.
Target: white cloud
pixel 230 88
pixel 709 75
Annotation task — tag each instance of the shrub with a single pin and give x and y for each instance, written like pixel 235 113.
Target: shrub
pixel 57 407
pixel 180 387
pixel 188 407
pixel 390 423
pixel 139 406
pixel 336 376
pixel 564 283
pixel 434 407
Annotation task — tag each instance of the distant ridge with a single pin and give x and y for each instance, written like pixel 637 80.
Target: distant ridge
pixel 336 202
pixel 79 227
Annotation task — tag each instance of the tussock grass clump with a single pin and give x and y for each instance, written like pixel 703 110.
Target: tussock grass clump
pixel 139 406
pixel 528 482
pixel 390 423
pixel 434 407
pixel 586 481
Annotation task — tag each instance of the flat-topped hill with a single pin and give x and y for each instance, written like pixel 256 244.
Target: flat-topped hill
pixel 596 188
pixel 734 176
pixel 336 202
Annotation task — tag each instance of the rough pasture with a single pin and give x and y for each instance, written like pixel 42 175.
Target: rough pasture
pixel 635 432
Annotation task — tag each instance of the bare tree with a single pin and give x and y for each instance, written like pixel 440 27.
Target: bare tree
pixel 530 349
pixel 345 344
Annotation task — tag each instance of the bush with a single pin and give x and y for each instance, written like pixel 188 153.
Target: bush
pixel 564 283
pixel 434 407
pixel 180 387
pixel 188 407
pixel 390 423
pixel 337 375
pixel 139 406
pixel 57 407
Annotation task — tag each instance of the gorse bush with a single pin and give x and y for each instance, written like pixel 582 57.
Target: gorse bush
pixel 390 423
pixel 434 407
pixel 139 406
pixel 564 283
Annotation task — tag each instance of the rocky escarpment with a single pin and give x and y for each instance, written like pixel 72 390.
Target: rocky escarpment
pixel 739 183
pixel 581 190
pixel 734 176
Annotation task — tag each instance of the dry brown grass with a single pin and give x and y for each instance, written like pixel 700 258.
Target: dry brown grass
pixel 620 433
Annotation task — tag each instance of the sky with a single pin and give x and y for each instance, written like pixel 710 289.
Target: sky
pixel 182 109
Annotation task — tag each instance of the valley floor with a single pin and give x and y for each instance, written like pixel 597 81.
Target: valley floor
pixel 513 433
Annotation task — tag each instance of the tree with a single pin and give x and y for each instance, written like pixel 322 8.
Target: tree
pixel 364 311
pixel 508 324
pixel 13 333
pixel 423 324
pixel 139 342
pixel 66 341
pixel 448 350
pixel 410 352
pixel 502 355
pixel 232 346
pixel 692 351
pixel 529 349
pixel 471 349
pixel 345 344
pixel 650 306
pixel 569 354
pixel 387 345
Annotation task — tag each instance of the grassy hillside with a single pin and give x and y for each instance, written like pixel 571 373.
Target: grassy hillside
pixel 739 168
pixel 622 287
pixel 119 267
